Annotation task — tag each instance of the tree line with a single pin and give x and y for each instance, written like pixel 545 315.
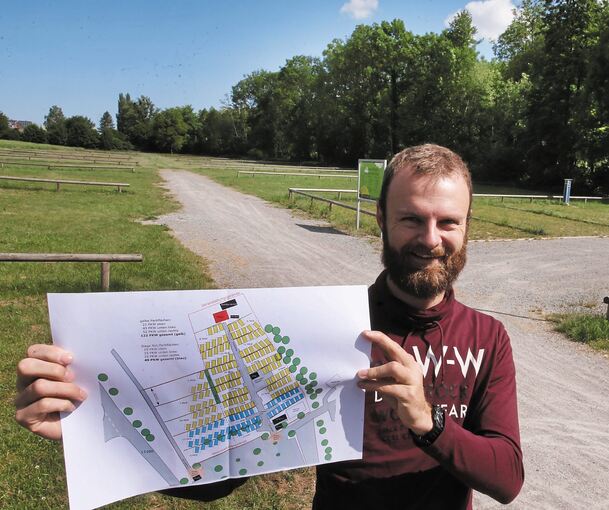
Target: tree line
pixel 537 113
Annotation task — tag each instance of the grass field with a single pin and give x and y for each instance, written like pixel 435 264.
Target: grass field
pixel 36 218
pixel 491 218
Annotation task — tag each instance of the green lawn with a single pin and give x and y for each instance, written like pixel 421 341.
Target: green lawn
pixel 491 218
pixel 36 218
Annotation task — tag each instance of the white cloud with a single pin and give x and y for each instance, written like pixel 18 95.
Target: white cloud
pixel 490 17
pixel 360 9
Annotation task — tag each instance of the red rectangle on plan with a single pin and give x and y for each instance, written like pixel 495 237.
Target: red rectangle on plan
pixel 221 316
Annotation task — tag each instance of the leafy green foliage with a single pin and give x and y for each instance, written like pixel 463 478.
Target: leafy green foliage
pixel 34 133
pixel 171 127
pixel 134 119
pixel 81 132
pixel 536 114
pixel 4 127
pixel 106 122
pixel 55 124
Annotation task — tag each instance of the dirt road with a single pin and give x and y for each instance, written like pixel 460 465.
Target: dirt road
pixel 563 387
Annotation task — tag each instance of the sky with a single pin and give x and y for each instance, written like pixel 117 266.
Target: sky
pixel 81 54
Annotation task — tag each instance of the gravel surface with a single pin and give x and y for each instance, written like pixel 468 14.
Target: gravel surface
pixel 563 387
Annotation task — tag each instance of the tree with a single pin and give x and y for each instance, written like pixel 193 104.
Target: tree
pixel 55 124
pixel 134 119
pixel 4 126
pixel 81 132
pixel 106 122
pixel 216 132
pixel 520 46
pixel 34 133
pixel 170 129
pixel 596 173
pixel 445 102
pixel 110 138
pixel 251 98
pixel 558 112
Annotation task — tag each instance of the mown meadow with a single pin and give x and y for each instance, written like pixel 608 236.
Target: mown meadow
pixel 492 218
pixel 36 218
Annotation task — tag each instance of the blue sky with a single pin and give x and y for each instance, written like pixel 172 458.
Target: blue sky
pixel 81 54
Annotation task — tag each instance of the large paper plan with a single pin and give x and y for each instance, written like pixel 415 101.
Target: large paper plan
pixel 192 387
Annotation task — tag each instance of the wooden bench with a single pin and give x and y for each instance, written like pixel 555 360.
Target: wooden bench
pixel 59 166
pixel 105 260
pixel 298 174
pixel 53 155
pixel 118 185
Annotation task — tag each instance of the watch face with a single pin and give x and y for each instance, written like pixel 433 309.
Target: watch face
pixel 438 417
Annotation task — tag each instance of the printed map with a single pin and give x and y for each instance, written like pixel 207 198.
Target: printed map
pixel 207 389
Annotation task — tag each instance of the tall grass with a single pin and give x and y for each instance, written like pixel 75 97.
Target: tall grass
pixel 592 330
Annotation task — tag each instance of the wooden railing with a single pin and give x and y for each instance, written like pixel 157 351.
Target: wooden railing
pixel 117 185
pixel 299 191
pixel 104 259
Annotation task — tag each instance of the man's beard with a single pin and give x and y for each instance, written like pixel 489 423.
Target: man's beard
pixel 426 282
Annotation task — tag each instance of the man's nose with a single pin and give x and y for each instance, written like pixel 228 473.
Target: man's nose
pixel 430 235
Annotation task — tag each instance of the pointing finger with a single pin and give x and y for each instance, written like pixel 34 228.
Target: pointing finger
pixel 392 350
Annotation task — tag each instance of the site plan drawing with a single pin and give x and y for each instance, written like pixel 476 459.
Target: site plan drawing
pixel 192 387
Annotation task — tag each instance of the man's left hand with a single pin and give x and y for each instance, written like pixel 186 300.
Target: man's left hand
pixel 400 380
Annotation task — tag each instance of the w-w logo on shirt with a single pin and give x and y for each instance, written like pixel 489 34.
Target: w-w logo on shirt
pixel 475 362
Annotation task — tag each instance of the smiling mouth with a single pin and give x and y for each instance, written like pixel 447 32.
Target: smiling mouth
pixel 426 257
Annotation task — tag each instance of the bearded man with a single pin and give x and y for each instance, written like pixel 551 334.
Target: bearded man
pixel 441 416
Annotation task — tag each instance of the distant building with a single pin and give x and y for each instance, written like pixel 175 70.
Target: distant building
pixel 19 125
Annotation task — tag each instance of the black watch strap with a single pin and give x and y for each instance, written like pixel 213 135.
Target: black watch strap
pixel 437 416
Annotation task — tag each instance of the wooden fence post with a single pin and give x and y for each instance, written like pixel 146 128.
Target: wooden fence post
pixel 105 276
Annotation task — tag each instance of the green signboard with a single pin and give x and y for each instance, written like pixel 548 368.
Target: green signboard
pixel 370 178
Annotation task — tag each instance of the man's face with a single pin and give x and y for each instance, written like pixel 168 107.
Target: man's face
pixel 425 232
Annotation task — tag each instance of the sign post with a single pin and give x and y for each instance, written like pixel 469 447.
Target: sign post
pixel 566 194
pixel 369 182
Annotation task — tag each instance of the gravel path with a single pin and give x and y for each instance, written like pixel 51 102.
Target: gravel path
pixel 563 387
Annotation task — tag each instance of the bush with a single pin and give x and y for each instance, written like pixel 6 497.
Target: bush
pixel 34 133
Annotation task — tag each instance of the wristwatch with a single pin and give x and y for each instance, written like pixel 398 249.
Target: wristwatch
pixel 437 416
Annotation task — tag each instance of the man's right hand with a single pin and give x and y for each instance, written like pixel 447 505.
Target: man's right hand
pixel 45 388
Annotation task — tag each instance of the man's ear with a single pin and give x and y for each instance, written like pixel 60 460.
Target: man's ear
pixel 380 220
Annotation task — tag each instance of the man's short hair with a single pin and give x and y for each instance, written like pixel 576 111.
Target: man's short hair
pixel 428 159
